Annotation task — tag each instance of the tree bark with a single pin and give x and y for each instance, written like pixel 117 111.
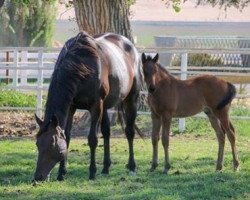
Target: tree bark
pixel 100 16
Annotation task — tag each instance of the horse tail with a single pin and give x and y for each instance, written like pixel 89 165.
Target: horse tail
pixel 122 118
pixel 231 92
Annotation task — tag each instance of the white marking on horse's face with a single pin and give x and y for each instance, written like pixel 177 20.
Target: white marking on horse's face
pixel 119 67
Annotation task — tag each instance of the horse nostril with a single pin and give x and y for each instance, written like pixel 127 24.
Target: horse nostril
pixel 151 89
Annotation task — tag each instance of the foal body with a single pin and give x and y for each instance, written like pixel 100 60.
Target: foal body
pixel 169 97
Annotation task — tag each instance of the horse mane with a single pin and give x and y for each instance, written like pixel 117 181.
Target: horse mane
pixel 77 60
pixel 74 54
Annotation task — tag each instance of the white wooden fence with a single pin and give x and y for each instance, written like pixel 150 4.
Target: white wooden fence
pixel 18 65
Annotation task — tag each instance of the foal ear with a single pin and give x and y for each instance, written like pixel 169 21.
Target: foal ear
pixel 143 58
pixel 38 120
pixel 156 58
pixel 54 121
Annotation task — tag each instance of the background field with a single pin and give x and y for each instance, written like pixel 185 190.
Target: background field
pixel 146 30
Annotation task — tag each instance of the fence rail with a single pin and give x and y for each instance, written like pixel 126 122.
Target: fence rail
pixel 20 64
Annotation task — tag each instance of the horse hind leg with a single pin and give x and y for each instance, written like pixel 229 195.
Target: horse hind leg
pixel 230 132
pixel 215 123
pixel 130 107
pixel 96 113
pixel 105 129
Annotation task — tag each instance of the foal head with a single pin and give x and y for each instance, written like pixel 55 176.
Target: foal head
pixel 52 147
pixel 149 70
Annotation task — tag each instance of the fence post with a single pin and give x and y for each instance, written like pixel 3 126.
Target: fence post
pixel 184 60
pixel 15 71
pixel 24 58
pixel 40 84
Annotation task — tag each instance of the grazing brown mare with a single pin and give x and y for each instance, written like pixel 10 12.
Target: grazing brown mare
pixel 169 97
pixel 92 73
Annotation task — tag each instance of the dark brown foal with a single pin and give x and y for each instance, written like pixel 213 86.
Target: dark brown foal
pixel 169 97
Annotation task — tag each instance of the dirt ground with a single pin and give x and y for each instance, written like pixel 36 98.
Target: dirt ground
pixel 19 124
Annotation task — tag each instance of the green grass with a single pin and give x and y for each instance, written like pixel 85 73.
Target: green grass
pixel 192 174
pixel 17 99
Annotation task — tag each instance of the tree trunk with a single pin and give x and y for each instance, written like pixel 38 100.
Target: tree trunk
pixel 100 16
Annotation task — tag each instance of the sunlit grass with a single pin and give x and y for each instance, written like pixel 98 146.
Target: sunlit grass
pixel 192 174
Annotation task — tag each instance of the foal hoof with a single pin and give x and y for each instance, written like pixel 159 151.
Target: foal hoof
pixel 132 173
pixel 153 167
pixel 236 169
pixel 165 171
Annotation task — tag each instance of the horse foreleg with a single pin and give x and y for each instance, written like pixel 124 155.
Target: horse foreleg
pixel 221 139
pixel 155 139
pixel 105 128
pixel 96 113
pixel 166 122
pixel 62 168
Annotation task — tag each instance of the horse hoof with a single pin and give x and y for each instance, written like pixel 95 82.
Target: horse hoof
pixel 105 172
pixel 165 171
pixel 153 167
pixel 60 178
pixel 132 173
pixel 92 177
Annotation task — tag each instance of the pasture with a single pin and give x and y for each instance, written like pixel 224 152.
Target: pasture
pixel 192 156
pixel 192 176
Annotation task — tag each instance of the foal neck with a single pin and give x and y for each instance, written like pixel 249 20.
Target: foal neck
pixel 163 73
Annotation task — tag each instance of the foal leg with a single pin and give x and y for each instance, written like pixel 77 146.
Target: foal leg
pixel 105 128
pixel 220 136
pixel 155 139
pixel 229 130
pixel 166 122
pixel 96 113
pixel 62 168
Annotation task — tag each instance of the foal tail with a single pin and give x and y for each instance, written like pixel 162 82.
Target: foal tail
pixel 122 118
pixel 228 97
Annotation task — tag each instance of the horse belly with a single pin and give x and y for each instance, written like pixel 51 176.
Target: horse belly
pixel 188 108
pixel 118 91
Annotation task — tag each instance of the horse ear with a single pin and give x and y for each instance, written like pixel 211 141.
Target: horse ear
pixel 143 58
pixel 54 121
pixel 38 120
pixel 156 58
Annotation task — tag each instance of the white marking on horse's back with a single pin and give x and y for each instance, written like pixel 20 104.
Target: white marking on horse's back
pixel 119 67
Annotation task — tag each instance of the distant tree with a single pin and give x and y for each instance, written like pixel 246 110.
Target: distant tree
pixel 99 16
pixel 27 22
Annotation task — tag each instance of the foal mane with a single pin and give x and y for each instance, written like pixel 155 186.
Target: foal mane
pixel 159 66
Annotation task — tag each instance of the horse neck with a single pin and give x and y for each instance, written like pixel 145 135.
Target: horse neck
pixel 58 103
